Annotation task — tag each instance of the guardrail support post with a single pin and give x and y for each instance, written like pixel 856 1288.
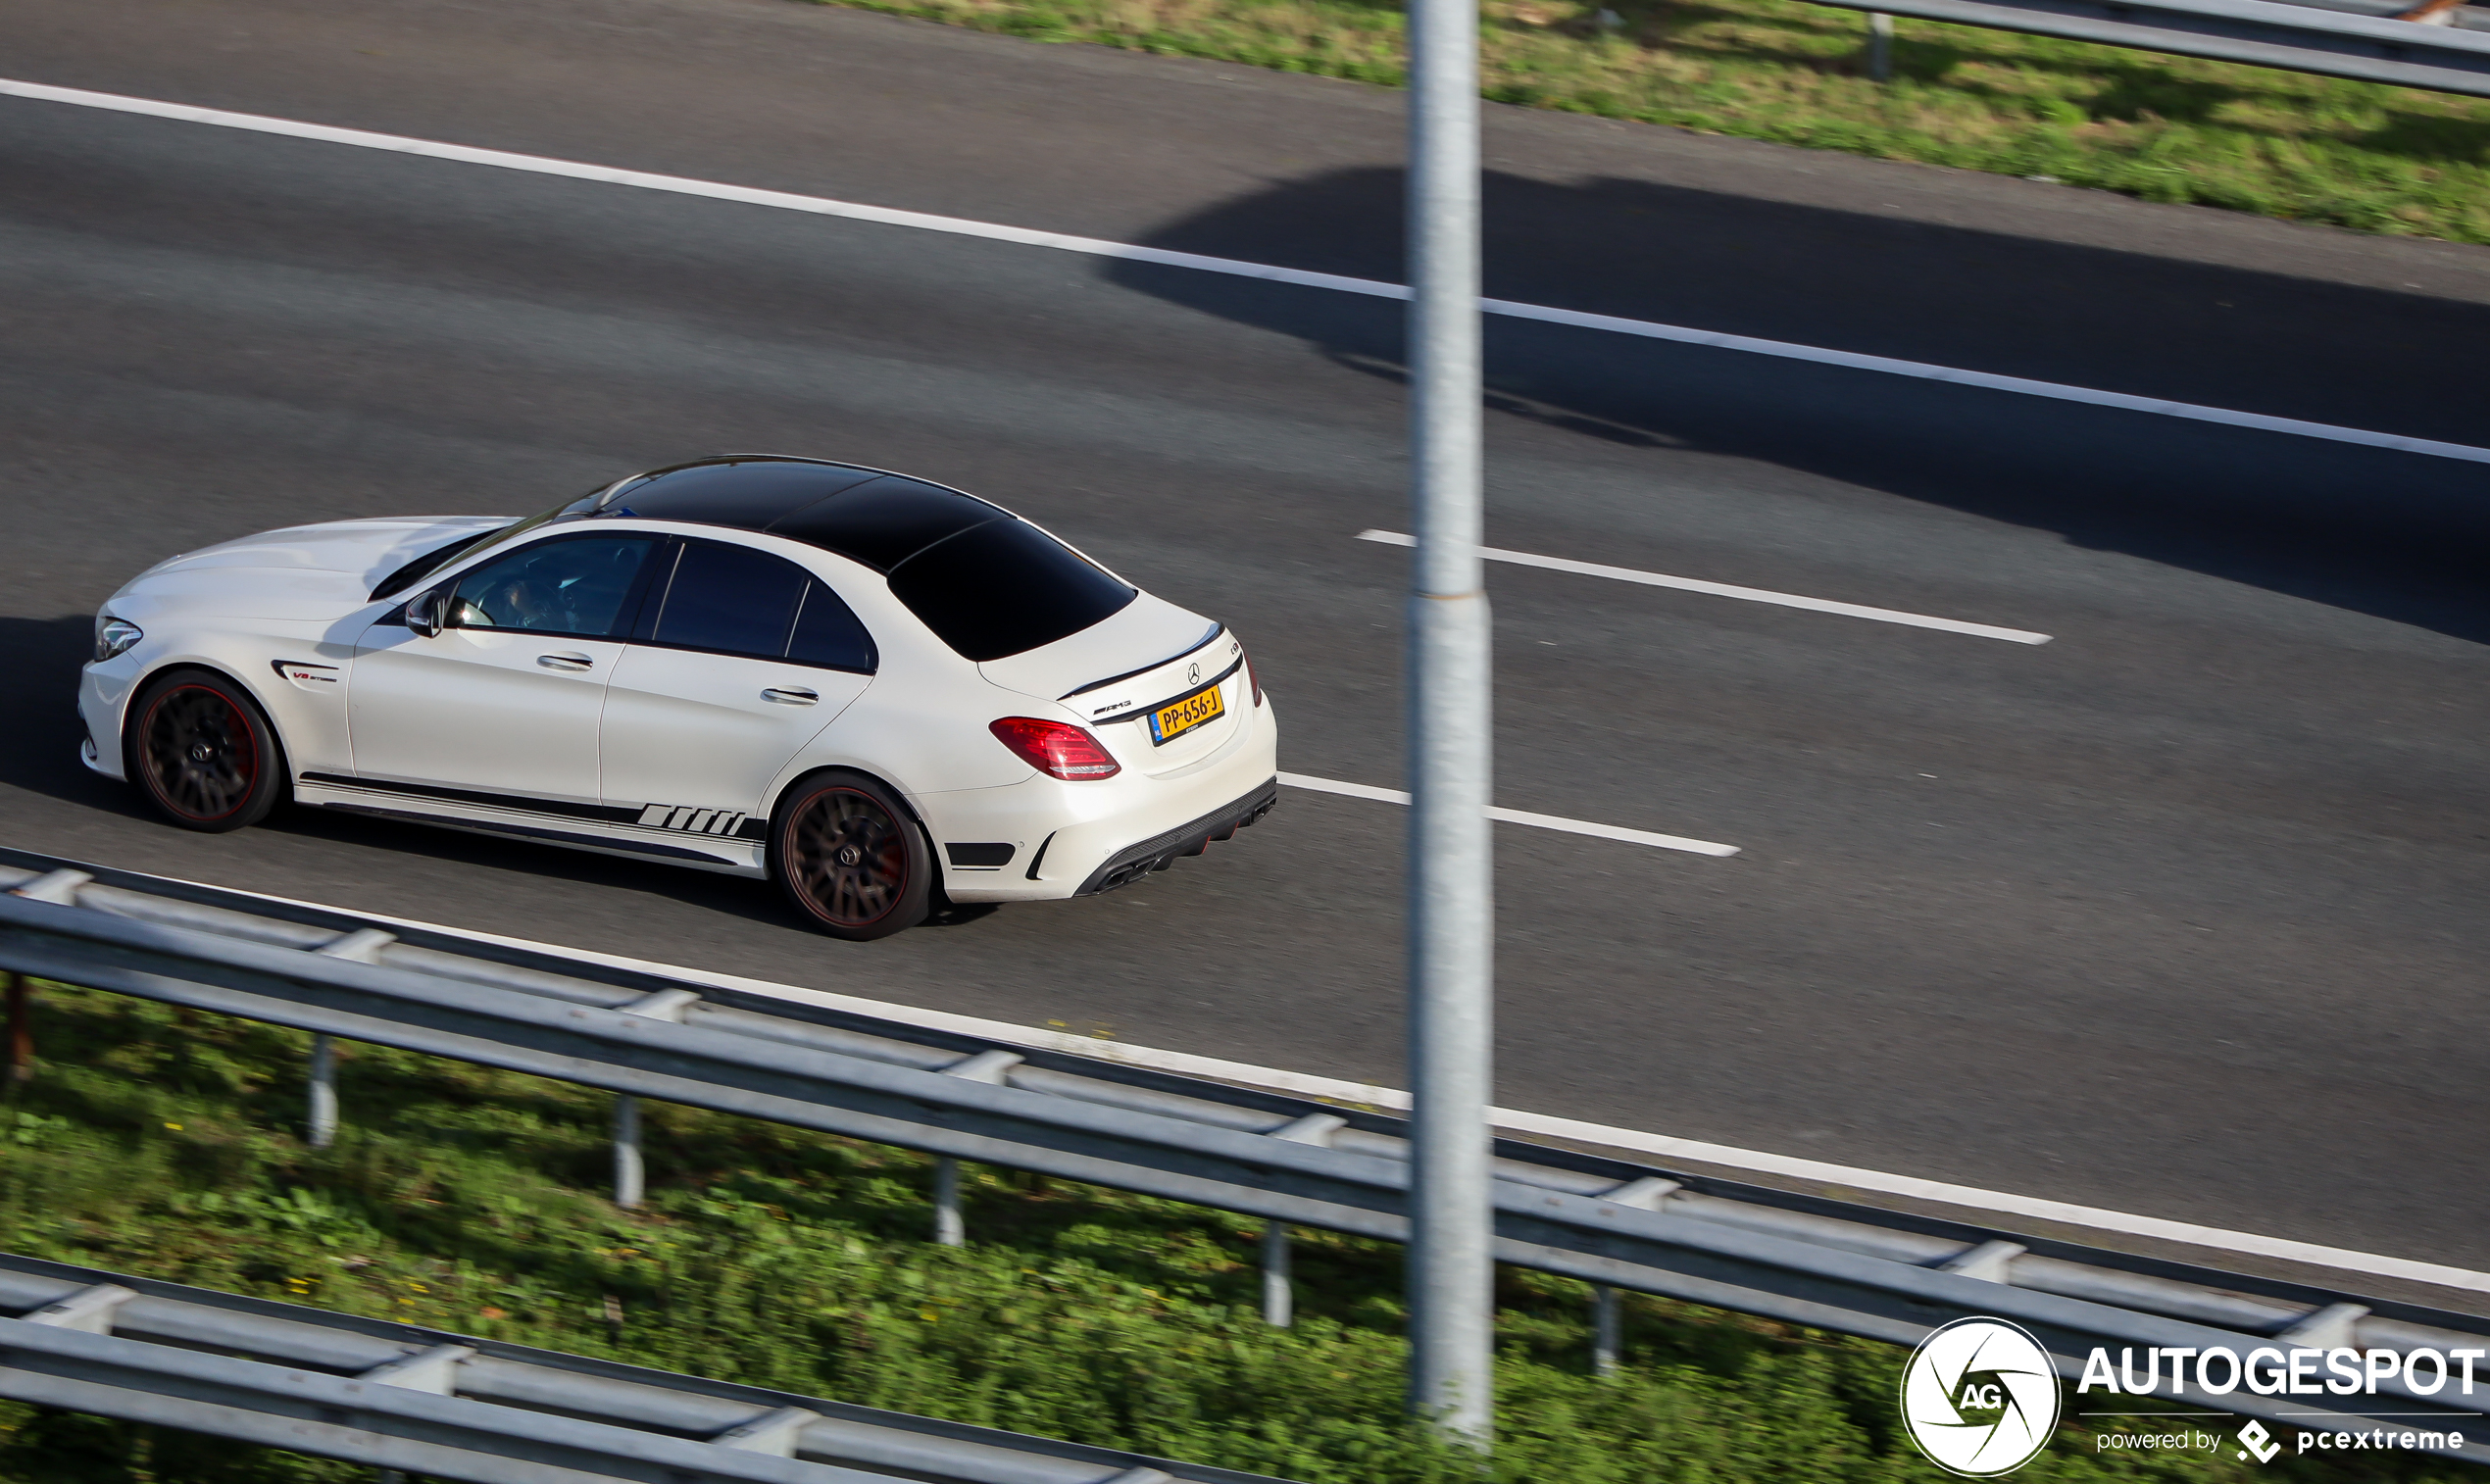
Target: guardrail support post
pixel 1608 1310
pixel 629 1175
pixel 628 1170
pixel 994 1069
pixel 361 945
pixel 1280 1292
pixel 949 1230
pixel 1880 46
pixel 321 1128
pixel 20 1033
pixel 1608 1328
pixel 1280 1296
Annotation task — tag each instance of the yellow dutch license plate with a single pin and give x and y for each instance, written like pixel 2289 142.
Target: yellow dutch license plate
pixel 1175 719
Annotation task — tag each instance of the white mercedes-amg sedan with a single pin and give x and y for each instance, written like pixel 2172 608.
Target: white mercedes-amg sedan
pixel 875 690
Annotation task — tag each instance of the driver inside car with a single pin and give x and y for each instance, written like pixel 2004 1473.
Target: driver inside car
pixel 517 601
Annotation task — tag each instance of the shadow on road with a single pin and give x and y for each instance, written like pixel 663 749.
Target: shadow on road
pixel 39 659
pixel 2400 536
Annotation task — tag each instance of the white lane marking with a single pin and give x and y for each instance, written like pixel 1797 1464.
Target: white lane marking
pixel 1518 816
pixel 1724 590
pixel 1389 1099
pixel 1101 248
pixel 1345 790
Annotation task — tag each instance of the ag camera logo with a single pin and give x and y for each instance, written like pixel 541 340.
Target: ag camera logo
pixel 1980 1397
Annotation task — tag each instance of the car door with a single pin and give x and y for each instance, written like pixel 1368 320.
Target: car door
pixel 502 705
pixel 740 658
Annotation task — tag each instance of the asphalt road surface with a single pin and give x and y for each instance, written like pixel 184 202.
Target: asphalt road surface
pixel 2180 913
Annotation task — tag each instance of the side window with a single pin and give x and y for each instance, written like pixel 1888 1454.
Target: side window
pixel 732 598
pixel 737 601
pixel 570 586
pixel 827 633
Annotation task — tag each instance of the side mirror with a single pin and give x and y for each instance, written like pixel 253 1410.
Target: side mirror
pixel 424 612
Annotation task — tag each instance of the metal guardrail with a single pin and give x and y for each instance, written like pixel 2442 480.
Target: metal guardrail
pixel 397 1397
pixel 2325 38
pixel 1804 1259
pixel 2466 16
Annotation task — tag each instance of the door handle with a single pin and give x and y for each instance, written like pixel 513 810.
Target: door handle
pixel 791 695
pixel 565 661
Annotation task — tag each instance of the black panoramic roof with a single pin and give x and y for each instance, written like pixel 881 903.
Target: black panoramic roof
pixel 868 514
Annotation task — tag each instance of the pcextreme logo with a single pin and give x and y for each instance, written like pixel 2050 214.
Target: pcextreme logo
pixel 1980 1397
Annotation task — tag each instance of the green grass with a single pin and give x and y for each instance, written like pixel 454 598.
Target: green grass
pixel 2166 129
pixel 469 1200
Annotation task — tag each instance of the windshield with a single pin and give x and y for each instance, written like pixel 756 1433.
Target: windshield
pixel 468 546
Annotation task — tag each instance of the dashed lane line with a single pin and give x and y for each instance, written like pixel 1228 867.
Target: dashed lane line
pixel 1520 816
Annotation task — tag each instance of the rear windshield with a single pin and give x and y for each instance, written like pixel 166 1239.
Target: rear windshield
pixel 1004 587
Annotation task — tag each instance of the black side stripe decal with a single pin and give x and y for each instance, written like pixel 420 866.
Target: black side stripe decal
pixel 721 823
pixel 603 814
pixel 690 821
pixel 531 833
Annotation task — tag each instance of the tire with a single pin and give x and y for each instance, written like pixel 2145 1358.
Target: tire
pixel 850 857
pixel 198 747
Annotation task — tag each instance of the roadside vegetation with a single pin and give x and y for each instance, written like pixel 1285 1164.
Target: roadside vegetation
pixel 2166 128
pixel 471 1200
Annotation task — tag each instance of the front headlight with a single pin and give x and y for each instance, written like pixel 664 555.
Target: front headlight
pixel 113 636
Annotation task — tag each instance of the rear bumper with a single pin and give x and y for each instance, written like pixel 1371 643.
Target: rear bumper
pixel 1161 851
pixel 1079 839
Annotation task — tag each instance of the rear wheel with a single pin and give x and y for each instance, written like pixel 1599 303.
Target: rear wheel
pixel 850 857
pixel 199 749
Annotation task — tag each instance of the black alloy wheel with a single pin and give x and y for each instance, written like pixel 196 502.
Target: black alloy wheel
pixel 851 858
pixel 202 753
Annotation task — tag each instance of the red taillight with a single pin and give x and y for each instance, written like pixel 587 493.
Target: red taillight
pixel 1056 749
pixel 1253 681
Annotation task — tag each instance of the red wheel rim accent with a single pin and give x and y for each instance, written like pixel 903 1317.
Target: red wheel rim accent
pixel 198 752
pixel 847 857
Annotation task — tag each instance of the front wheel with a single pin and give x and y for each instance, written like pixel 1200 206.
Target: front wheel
pixel 849 857
pixel 199 749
